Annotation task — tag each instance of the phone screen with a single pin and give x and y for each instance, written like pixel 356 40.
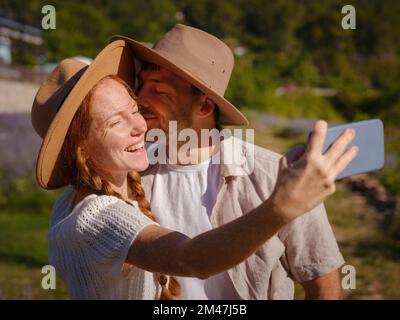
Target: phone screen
pixel 370 141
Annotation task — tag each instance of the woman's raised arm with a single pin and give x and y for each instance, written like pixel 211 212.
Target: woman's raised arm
pixel 306 178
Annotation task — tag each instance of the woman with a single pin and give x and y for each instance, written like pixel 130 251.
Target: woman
pixel 105 242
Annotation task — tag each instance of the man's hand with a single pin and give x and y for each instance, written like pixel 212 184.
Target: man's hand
pixel 326 287
pixel 307 177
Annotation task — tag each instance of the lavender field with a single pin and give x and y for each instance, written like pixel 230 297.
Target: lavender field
pixel 19 145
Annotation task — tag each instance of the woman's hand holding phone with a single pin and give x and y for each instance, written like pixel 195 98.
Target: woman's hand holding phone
pixel 306 176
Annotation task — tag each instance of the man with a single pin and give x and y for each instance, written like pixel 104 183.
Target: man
pixel 183 79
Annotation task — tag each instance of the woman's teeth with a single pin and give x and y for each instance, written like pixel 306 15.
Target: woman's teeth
pixel 134 147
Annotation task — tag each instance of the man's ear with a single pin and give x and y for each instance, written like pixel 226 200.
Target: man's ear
pixel 207 107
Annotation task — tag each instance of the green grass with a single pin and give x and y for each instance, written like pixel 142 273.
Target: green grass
pixel 23 253
pixel 23 238
pixel 24 221
pixel 19 281
pixel 366 246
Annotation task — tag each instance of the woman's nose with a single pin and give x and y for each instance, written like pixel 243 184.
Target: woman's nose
pixel 139 125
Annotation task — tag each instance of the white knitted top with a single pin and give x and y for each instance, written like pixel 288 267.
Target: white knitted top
pixel 89 245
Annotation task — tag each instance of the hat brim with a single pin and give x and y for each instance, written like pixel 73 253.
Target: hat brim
pixel 115 59
pixel 230 115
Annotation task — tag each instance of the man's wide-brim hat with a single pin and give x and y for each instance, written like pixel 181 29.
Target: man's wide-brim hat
pixel 199 58
pixel 60 96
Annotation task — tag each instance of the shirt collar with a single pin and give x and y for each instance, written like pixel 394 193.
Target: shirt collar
pixel 236 158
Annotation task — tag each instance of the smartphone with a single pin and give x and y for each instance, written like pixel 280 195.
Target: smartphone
pixel 370 142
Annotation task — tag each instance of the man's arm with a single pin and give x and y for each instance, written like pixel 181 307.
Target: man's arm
pixel 312 255
pixel 326 287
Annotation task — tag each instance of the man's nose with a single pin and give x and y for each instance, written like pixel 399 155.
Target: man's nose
pixel 142 92
pixel 144 108
pixel 142 97
pixel 145 105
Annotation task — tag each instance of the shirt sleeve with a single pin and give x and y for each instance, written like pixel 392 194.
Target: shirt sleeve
pixel 311 247
pixel 108 232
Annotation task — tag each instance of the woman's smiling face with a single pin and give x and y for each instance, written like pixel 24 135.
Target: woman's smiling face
pixel 115 143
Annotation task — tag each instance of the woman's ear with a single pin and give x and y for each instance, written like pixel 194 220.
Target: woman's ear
pixel 82 149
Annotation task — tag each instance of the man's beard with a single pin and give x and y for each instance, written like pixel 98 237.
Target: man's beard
pixel 181 125
pixel 183 121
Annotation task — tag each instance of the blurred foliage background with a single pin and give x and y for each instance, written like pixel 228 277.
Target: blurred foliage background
pixel 299 46
pixel 302 41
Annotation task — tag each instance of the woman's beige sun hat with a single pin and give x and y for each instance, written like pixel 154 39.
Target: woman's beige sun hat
pixel 199 58
pixel 59 97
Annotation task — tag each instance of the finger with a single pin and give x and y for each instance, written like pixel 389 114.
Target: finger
pixel 283 162
pixel 317 138
pixel 339 145
pixel 295 153
pixel 344 161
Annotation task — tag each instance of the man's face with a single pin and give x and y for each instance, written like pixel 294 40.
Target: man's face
pixel 162 97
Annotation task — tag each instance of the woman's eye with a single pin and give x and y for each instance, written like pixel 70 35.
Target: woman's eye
pixel 114 123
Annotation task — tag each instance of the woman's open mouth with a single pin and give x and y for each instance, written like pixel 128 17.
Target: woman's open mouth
pixel 135 148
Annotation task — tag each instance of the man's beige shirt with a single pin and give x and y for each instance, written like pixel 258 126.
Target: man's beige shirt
pixel 303 250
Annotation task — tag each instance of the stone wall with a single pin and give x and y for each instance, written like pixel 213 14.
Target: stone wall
pixel 16 96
